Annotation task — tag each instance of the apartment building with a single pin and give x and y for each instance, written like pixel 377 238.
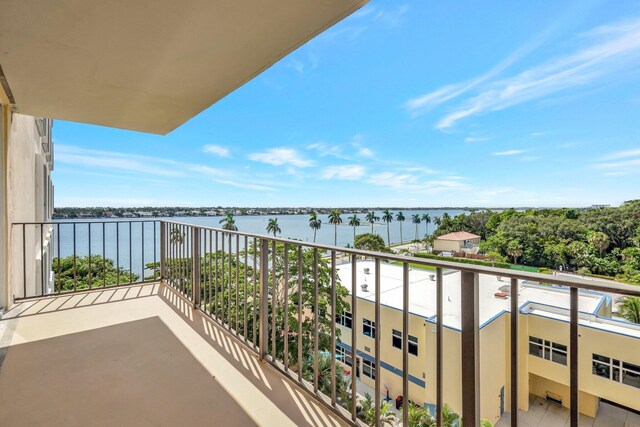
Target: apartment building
pixel 609 360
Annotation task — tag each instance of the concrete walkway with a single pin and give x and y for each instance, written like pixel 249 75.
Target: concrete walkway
pixel 546 414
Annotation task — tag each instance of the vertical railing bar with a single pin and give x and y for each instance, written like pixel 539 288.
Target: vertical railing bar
pixel 59 278
pixel 222 264
pixel 254 327
pixel 573 357
pixel 514 352
pixel 405 344
pixel 469 306
pixel 104 256
pixel 117 253
pixel 244 287
pixel 142 245
pixel 89 231
pixel 237 286
pixel 333 328
pixel 155 255
pixel 300 304
pixel 316 319
pixel 377 340
pixel 42 257
pixel 354 344
pixel 263 342
pixel 130 254
pixel 439 346
pixel 24 259
pixel 75 276
pixel 216 282
pixel 286 307
pixel 229 284
pixel 211 282
pixel 274 303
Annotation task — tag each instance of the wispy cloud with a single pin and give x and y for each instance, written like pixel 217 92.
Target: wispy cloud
pixel 475 139
pixel 324 149
pixel 217 150
pixel 634 152
pixel 509 152
pixel 621 162
pixel 281 156
pixel 343 172
pixel 608 50
pixel 244 185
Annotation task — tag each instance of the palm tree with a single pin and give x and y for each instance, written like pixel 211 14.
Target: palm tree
pixel 228 223
pixel 426 219
pixel 420 417
pixel 387 217
pixel 315 224
pixel 629 308
pixel 368 412
pixel 400 218
pixel 514 249
pixel 354 221
pixel 334 218
pixel 437 221
pixel 372 218
pixel 416 220
pixel 273 227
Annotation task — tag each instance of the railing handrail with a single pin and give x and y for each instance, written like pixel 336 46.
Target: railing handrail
pixel 571 282
pixel 85 222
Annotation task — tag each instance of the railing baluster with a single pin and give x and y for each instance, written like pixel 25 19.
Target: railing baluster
pixel 196 247
pixel 222 281
pixel 514 352
pixel 229 307
pixel 405 344
pixel 117 253
pixel 75 276
pixel 254 328
pixel 24 259
pixel 155 242
pixel 377 340
pixel 573 357
pixel 216 285
pixel 316 317
pixel 286 307
pixel 58 245
pixel 89 231
pixel 274 303
pixel 333 328
pixel 130 254
pixel 264 298
pixel 439 346
pixel 244 287
pixel 300 304
pixel 237 284
pixel 142 246
pixel 104 256
pixel 354 344
pixel 42 257
pixel 470 349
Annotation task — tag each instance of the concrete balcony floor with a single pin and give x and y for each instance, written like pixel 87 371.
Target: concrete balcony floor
pixel 137 356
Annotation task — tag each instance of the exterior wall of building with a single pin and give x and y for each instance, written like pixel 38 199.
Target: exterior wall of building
pixel 28 196
pixel 536 375
pixel 447 245
pixel 4 274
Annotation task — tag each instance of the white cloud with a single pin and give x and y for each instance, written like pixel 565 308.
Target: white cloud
pixel 365 152
pixel 509 152
pixel 634 152
pixel 217 150
pixel 605 51
pixel 324 149
pixel 619 165
pixel 244 185
pixel 343 172
pixel 281 156
pixel 475 139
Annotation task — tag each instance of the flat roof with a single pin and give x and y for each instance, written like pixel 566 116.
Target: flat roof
pixel 147 66
pixel 422 292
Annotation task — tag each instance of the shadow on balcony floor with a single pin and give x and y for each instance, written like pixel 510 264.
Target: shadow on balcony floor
pixel 140 357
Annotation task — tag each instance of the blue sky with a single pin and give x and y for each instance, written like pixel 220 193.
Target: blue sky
pixel 417 103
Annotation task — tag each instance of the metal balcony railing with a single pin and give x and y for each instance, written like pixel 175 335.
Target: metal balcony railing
pixel 281 297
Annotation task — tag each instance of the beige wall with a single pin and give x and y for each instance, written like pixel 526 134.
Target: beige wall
pixel 446 245
pixel 27 198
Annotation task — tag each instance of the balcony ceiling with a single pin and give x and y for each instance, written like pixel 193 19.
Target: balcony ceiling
pixel 147 66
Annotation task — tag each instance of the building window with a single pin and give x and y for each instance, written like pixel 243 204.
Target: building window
pixel 368 328
pixel 616 370
pixel 343 356
pixel 369 369
pixel 396 339
pixel 548 350
pixel 346 319
pixel 413 345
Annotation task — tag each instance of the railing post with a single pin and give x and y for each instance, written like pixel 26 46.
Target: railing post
pixel 264 298
pixel 195 266
pixel 470 349
pixel 163 255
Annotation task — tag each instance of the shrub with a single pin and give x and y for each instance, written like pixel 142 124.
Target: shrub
pixel 463 260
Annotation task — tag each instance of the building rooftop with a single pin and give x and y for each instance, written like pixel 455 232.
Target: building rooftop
pixel 458 236
pixel 422 293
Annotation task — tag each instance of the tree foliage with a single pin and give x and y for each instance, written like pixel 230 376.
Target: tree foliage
pixel 370 242
pixel 95 270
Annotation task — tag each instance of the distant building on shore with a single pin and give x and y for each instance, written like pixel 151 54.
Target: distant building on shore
pixel 459 241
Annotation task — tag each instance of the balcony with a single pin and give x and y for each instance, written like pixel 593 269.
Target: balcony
pixel 157 322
